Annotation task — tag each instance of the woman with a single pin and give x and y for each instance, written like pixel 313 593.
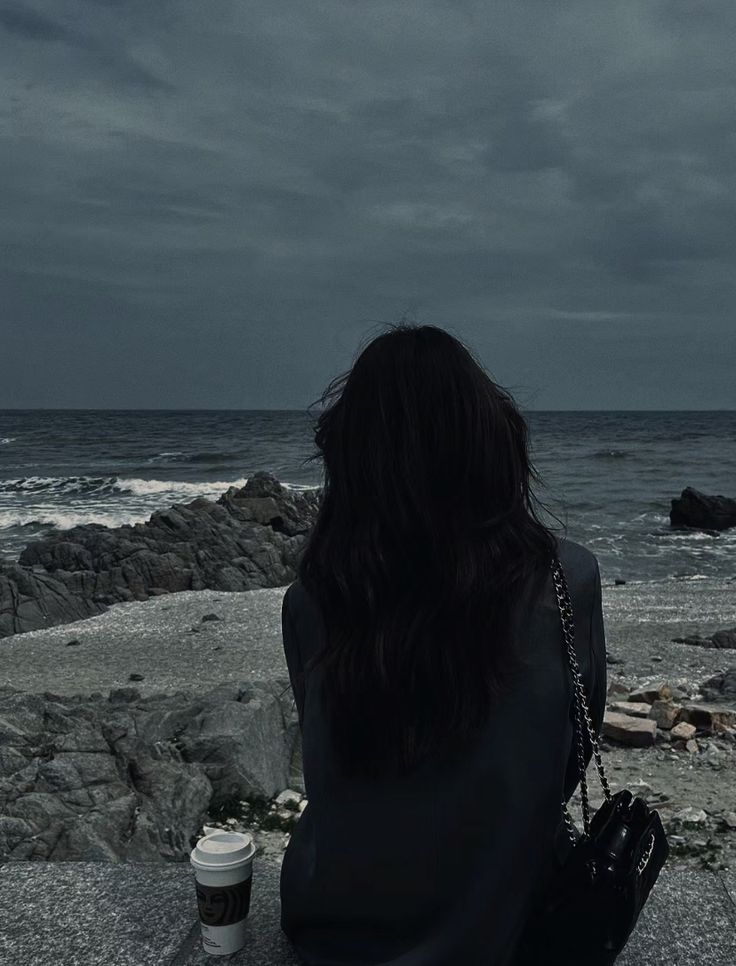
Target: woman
pixel 425 652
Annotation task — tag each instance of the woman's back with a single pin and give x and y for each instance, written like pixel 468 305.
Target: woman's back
pixel 440 867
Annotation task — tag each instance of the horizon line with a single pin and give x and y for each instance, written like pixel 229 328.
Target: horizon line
pixel 189 409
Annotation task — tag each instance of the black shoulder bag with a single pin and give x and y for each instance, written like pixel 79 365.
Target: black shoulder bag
pixel 591 907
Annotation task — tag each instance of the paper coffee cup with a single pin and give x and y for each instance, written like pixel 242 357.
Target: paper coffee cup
pixel 223 872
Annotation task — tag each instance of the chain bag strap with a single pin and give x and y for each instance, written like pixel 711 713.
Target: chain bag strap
pixel 580 705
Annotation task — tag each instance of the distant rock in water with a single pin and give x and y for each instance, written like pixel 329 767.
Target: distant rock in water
pixel 249 538
pixel 703 512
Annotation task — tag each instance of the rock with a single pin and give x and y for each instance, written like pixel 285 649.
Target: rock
pixel 652 693
pixel 610 659
pixel 680 693
pixel 125 778
pixel 634 708
pixel 691 746
pixel 249 538
pixel 136 677
pixel 701 511
pixel 627 730
pixel 683 731
pixel 619 581
pixel 711 718
pixel 664 713
pixel 288 795
pixel 721 685
pixel 730 819
pixel 617 687
pixel 72 643
pixel 211 617
pixel 30 600
pixel 719 639
pixel 691 816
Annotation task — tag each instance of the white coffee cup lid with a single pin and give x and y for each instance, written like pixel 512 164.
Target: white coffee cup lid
pixel 221 850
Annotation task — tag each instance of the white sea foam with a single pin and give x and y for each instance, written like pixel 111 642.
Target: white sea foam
pixel 7 439
pixel 193 489
pixel 63 518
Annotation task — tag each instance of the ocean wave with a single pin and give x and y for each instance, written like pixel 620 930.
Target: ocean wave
pixel 653 516
pixel 165 456
pixel 178 487
pixel 64 518
pixel 60 484
pixel 609 454
pixel 7 439
pixel 114 485
pixel 121 485
pixel 181 457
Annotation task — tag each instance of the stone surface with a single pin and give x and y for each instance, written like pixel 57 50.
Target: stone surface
pixel 699 510
pixel 651 693
pixel 133 778
pixel 664 713
pixel 720 686
pixel 637 709
pixel 133 914
pixel 628 730
pixel 724 639
pixel 712 718
pixel 250 537
pixel 683 731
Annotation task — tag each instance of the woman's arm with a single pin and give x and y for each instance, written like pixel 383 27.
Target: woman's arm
pixel 293 655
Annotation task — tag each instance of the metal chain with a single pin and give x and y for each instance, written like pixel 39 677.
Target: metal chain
pixel 641 864
pixel 581 705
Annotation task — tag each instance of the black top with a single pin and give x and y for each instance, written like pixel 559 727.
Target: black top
pixel 440 868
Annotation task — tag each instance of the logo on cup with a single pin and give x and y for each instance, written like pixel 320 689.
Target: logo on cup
pixel 223 905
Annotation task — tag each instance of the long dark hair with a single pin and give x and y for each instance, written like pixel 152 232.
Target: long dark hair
pixel 424 539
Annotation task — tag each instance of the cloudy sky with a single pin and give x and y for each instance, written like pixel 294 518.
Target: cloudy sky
pixel 215 204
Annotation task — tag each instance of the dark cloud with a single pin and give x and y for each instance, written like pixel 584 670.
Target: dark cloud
pixel 264 181
pixel 30 23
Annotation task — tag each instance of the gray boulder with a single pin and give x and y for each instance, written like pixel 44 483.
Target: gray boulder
pixel 701 511
pixel 721 686
pixel 126 778
pixel 725 639
pixel 249 538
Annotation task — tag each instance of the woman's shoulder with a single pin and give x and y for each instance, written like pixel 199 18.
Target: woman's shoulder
pixel 577 561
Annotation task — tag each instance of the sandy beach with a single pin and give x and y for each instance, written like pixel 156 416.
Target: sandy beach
pixel 154 638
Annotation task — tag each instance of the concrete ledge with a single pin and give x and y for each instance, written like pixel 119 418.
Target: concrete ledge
pixel 134 914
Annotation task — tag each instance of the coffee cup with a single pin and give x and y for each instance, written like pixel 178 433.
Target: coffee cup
pixel 223 872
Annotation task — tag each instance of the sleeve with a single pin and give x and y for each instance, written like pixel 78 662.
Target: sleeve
pixel 596 687
pixel 293 655
pixel 599 689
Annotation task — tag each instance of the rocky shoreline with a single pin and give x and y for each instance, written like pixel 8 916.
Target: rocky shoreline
pixel 144 695
pixel 250 537
pixel 174 713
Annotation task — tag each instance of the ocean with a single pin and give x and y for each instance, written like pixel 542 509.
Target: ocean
pixel 608 476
